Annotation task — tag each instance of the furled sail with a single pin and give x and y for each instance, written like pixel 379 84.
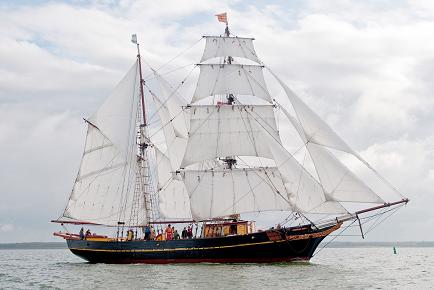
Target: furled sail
pixel 222 46
pixel 237 79
pixel 104 187
pixel 221 131
pixel 216 193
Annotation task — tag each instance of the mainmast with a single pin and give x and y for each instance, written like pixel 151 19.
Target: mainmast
pixel 143 179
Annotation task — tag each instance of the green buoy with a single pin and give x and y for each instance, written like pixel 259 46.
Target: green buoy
pixel 394 250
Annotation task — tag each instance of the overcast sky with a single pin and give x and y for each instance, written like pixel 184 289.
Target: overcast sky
pixel 365 66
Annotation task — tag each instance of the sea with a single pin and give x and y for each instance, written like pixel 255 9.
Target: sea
pixel 331 268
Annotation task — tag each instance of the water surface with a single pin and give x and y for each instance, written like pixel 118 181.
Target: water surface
pixel 332 268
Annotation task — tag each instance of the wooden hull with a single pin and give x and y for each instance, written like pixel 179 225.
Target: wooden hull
pixel 285 245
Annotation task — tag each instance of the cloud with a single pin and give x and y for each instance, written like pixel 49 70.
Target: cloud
pixel 6 228
pixel 366 67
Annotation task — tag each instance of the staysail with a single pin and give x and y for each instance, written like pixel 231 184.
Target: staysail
pixel 174 202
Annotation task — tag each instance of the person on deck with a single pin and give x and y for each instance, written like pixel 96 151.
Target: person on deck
pixel 81 234
pixel 184 233
pixel 147 233
pixel 189 232
pixel 152 237
pixel 176 235
pixel 159 237
pixel 130 235
pixel 169 233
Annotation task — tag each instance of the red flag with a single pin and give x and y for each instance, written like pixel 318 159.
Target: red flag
pixel 222 17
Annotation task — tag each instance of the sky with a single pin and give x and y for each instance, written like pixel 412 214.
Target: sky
pixel 366 67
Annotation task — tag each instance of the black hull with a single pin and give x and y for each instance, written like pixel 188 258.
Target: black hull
pixel 263 247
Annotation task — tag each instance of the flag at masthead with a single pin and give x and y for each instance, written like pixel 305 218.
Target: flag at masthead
pixel 223 17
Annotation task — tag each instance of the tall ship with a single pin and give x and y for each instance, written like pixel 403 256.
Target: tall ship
pixel 154 163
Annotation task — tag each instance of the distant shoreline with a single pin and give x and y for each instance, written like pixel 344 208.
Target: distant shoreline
pixel 62 245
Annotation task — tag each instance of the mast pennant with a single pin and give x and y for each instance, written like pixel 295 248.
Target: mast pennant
pixel 134 38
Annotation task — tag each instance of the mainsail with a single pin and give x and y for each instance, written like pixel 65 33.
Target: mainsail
pixel 104 187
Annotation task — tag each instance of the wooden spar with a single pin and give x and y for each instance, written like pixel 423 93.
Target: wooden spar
pixel 355 215
pixel 388 204
pixel 75 222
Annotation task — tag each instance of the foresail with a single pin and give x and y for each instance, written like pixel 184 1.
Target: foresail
pixel 221 131
pixel 304 191
pixel 314 128
pixel 236 79
pixel 216 193
pixel 222 46
pixel 104 186
pixel 337 180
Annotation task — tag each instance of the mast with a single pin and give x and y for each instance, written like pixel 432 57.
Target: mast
pixel 142 95
pixel 143 181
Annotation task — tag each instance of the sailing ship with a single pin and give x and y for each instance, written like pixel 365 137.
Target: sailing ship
pixel 222 156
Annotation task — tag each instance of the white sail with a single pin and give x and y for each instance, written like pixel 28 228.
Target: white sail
pixel 173 103
pixel 104 187
pixel 304 191
pixel 237 79
pixel 175 140
pixel 174 202
pixel 117 116
pixel 337 180
pixel 222 46
pixel 221 131
pixel 216 193
pixel 314 128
